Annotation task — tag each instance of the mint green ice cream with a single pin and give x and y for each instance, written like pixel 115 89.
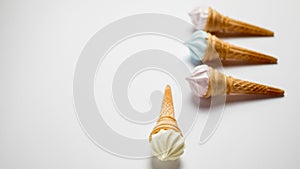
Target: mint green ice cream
pixel 198 45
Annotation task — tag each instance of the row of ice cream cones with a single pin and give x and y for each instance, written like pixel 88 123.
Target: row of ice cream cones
pixel 166 138
pixel 205 47
pixel 210 23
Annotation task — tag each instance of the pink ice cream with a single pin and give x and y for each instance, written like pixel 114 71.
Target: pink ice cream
pixel 199 80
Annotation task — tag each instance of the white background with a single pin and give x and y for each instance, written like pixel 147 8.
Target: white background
pixel 40 42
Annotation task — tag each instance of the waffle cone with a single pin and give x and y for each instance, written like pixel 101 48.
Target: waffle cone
pixel 166 120
pixel 228 52
pixel 220 84
pixel 217 22
pixel 245 87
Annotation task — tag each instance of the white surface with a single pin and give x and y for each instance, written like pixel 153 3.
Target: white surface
pixel 42 40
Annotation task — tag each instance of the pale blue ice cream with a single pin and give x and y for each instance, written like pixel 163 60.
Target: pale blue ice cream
pixel 197 45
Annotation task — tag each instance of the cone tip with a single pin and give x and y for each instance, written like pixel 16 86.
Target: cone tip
pixel 275 61
pixel 167 105
pixel 269 33
pixel 271 60
pixel 282 93
pixel 168 87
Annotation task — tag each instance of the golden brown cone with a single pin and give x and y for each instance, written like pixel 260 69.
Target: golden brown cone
pixel 166 120
pixel 245 87
pixel 230 85
pixel 217 22
pixel 228 52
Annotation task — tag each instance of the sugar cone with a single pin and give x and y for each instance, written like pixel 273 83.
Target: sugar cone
pixel 166 120
pixel 229 52
pixel 217 22
pixel 220 84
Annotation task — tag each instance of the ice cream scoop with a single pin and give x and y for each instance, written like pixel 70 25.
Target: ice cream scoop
pixel 206 82
pixel 167 145
pixel 206 47
pixel 166 140
pixel 210 20
pixel 199 81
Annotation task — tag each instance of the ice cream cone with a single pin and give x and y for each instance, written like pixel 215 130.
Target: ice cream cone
pixel 217 22
pixel 229 52
pixel 166 120
pixel 219 84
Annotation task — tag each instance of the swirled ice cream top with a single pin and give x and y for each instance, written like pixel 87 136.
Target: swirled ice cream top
pixel 198 45
pixel 167 145
pixel 199 80
pixel 199 17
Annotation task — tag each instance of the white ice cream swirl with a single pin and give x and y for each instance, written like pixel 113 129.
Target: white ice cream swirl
pixel 167 145
pixel 199 17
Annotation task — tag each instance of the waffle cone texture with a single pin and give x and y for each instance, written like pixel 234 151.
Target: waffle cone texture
pixel 220 84
pixel 166 120
pixel 229 52
pixel 217 22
